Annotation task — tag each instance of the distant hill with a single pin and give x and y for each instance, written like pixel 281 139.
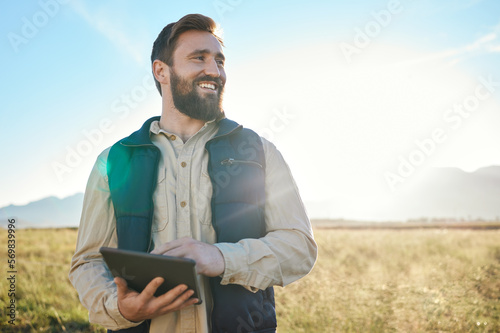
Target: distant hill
pixel 44 213
pixel 439 193
pixel 451 192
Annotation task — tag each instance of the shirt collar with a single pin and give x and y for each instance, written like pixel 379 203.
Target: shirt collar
pixel 156 129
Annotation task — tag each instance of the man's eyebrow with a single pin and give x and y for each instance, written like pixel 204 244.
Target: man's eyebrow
pixel 207 51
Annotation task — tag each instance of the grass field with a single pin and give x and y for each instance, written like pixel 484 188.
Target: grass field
pixel 432 280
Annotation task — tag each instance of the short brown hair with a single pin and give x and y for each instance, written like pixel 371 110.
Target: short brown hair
pixel 164 45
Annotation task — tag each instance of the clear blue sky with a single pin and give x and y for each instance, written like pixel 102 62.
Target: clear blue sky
pixel 344 89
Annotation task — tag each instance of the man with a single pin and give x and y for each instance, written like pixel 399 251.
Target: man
pixel 192 184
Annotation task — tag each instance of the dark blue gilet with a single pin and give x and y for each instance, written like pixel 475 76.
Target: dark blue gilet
pixel 237 172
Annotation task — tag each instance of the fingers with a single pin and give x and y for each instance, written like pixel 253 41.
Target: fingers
pixel 181 302
pixel 151 288
pixel 170 245
pixel 177 298
pixel 181 252
pixel 166 247
pixel 209 259
pixel 172 294
pixel 136 307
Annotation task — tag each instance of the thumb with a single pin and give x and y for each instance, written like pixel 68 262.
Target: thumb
pixel 121 285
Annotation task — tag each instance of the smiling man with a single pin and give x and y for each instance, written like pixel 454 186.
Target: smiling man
pixel 194 184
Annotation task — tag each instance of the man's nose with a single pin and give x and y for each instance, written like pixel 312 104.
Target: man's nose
pixel 212 68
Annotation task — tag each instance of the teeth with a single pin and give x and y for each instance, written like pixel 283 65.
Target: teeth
pixel 207 85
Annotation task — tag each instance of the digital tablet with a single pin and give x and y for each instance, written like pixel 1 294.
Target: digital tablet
pixel 139 268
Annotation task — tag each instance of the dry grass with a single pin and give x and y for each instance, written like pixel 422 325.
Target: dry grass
pixel 46 300
pixel 364 281
pixel 397 281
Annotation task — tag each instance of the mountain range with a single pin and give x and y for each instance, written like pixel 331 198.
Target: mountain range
pixel 453 193
pixel 442 193
pixel 48 212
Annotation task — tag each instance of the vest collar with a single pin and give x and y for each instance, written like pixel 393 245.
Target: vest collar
pixel 141 136
pixel 226 127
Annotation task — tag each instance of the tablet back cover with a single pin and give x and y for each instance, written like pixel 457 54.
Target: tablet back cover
pixel 139 268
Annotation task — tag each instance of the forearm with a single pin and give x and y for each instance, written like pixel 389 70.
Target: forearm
pixel 279 258
pixel 97 293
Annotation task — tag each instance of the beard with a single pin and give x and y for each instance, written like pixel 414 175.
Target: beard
pixel 191 103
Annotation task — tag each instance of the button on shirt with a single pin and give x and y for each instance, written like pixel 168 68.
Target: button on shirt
pixel 182 209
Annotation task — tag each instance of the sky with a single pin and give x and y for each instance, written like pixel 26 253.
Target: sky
pixel 353 93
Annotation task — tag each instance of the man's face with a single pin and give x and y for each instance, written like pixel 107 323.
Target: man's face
pixel 197 76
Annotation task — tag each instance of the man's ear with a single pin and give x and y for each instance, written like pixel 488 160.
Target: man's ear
pixel 161 72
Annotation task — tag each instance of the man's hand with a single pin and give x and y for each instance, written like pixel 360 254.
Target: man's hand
pixel 209 259
pixel 137 307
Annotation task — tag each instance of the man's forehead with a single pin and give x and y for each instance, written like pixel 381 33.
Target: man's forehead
pixel 192 40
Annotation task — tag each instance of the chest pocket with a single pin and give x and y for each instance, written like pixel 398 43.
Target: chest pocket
pixel 237 180
pixel 160 219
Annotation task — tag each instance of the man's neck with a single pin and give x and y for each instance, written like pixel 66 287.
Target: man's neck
pixel 173 121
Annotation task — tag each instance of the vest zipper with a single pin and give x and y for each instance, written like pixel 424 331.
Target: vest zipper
pixel 152 217
pixel 231 161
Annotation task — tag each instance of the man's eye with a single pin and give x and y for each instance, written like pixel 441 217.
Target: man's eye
pixel 200 58
pixel 220 62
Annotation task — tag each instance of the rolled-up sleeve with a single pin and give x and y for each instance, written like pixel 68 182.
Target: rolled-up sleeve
pixel 88 273
pixel 288 251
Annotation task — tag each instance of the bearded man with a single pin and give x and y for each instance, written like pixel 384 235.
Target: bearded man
pixel 193 184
